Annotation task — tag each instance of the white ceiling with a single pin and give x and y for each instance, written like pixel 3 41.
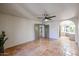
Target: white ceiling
pixel 34 10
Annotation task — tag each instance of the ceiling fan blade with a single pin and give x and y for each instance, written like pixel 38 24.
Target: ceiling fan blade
pixel 51 16
pixel 40 17
pixel 49 19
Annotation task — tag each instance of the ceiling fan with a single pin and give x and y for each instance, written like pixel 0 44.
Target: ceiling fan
pixel 46 17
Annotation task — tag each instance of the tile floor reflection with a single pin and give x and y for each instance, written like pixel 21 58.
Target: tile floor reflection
pixel 69 47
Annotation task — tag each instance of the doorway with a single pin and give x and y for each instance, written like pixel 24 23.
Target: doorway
pixel 67 29
pixel 41 31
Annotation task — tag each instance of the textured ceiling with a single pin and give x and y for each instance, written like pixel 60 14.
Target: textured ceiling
pixel 34 10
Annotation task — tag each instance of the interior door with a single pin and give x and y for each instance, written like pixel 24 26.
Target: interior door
pixel 46 29
pixel 36 30
pixel 41 31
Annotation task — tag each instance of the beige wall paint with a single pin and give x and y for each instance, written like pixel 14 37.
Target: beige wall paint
pixel 17 29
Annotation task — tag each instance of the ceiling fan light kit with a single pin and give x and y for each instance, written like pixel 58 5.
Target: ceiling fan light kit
pixel 46 20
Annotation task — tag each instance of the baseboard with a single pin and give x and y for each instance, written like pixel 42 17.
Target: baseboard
pixel 19 44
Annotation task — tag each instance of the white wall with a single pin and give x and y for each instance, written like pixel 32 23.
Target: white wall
pixel 54 29
pixel 17 29
pixel 78 32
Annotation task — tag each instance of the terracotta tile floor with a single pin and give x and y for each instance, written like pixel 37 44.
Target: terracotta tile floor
pixel 45 47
